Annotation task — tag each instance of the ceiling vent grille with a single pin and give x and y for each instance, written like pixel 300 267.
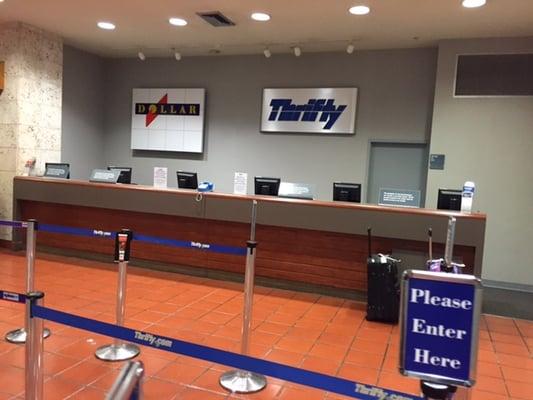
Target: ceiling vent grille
pixel 216 18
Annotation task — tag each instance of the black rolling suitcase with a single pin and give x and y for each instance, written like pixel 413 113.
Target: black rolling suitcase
pixel 383 297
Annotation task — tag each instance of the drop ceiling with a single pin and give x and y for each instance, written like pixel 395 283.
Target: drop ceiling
pixel 314 25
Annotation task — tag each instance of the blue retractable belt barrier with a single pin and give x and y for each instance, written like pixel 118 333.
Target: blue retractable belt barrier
pixel 280 371
pixel 14 224
pixel 12 296
pixel 68 230
pixel 238 251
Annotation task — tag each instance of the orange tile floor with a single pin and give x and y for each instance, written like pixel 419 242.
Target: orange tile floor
pixel 319 333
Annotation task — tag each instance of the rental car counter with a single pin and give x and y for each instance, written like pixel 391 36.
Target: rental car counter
pixel 316 243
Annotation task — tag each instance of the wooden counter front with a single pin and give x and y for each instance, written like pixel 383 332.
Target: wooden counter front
pixel 316 242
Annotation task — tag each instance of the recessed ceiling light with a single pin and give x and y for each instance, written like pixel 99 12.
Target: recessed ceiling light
pixel 106 25
pixel 359 10
pixel 177 21
pixel 474 3
pixel 257 16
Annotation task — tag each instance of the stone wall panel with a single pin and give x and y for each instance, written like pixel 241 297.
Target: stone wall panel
pixel 30 106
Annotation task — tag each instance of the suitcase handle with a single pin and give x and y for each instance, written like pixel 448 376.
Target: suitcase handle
pixel 450 236
pixel 369 232
pixel 430 243
pixel 386 256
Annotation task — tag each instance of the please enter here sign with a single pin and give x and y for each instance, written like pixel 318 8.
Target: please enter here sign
pixel 439 329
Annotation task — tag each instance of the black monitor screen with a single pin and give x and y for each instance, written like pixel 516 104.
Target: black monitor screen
pixel 267 186
pixel 347 192
pixel 449 199
pixel 57 170
pixel 187 180
pixel 125 173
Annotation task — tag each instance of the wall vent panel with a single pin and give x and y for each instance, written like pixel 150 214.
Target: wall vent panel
pixel 494 75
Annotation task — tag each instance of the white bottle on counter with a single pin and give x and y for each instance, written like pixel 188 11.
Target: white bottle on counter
pixel 468 196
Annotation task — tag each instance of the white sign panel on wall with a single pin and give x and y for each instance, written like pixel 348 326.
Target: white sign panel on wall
pixel 168 120
pixel 313 110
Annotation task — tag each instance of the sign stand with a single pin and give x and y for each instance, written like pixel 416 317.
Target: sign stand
pixel 120 351
pixel 239 381
pixel 437 391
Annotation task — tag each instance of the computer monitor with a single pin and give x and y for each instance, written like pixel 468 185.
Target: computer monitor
pixel 343 191
pixel 187 180
pixel 266 186
pixel 57 170
pixel 125 173
pixel 449 199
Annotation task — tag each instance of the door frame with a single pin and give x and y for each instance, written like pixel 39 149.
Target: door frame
pixel 366 192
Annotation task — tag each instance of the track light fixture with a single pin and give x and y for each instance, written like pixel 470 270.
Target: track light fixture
pixel 350 48
pixel 267 52
pixel 141 56
pixel 297 51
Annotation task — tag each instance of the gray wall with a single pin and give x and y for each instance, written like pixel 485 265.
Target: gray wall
pixel 395 104
pixel 488 140
pixel 82 139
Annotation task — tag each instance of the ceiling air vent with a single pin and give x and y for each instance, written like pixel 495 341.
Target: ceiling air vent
pixel 216 18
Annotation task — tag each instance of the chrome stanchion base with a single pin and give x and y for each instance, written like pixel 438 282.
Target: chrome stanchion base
pixel 117 352
pixel 19 335
pixel 238 381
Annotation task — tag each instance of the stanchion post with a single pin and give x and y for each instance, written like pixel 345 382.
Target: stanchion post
pixel 121 296
pixel 19 335
pixel 129 383
pixel 31 244
pixel 120 351
pixel 239 381
pixel 248 295
pixel 34 349
pixel 253 220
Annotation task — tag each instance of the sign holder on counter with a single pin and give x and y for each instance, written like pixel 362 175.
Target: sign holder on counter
pixel 439 327
pixel 399 198
pixel 240 183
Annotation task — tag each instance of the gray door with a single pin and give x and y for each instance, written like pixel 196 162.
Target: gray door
pixel 397 166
